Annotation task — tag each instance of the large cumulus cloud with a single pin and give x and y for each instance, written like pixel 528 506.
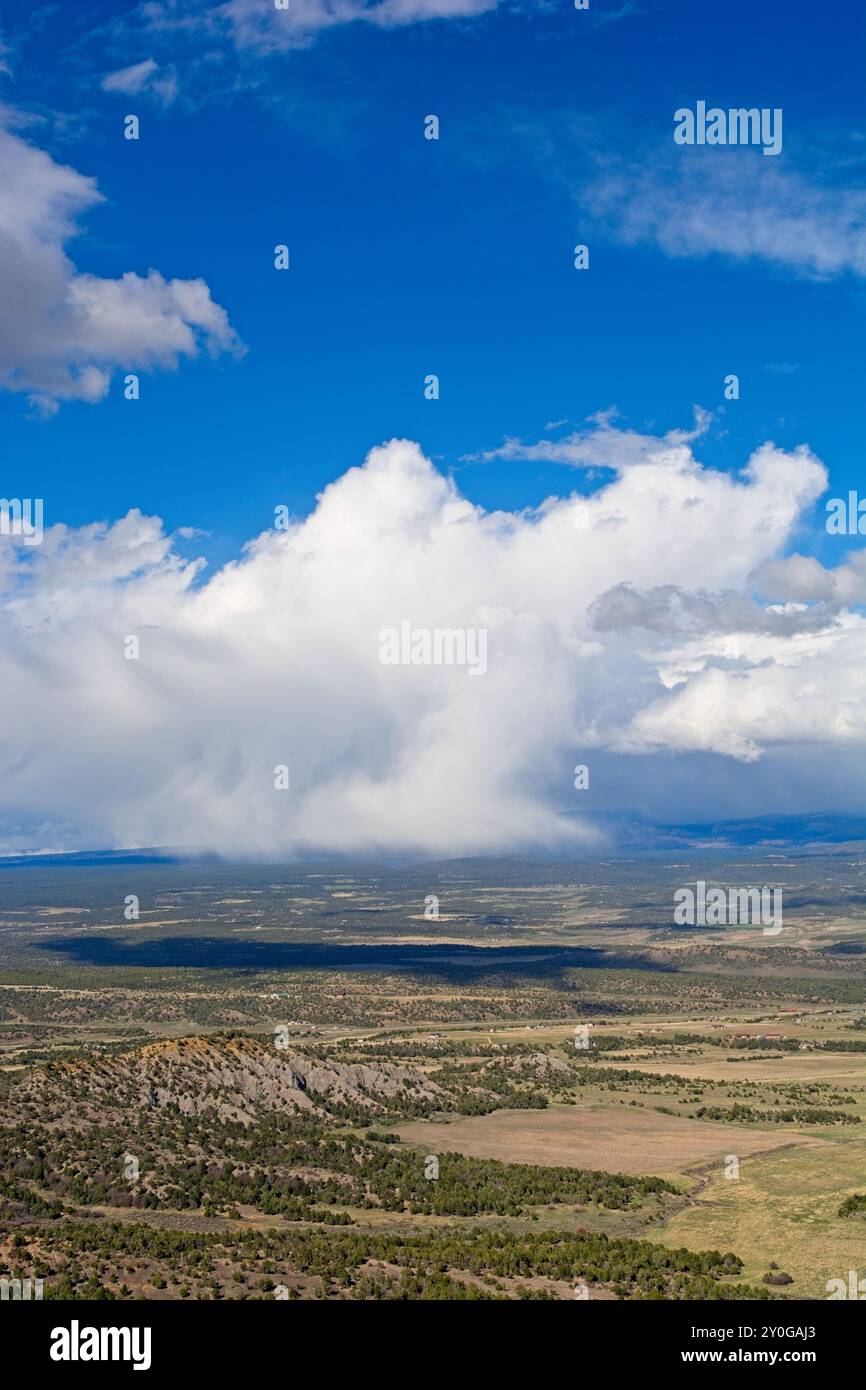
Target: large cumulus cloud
pixel 275 659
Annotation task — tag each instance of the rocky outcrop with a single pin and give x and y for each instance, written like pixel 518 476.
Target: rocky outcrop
pixel 237 1077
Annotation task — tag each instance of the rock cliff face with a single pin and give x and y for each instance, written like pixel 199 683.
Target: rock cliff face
pixel 238 1078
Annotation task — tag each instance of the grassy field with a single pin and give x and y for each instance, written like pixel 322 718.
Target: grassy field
pixel 784 1207
pixel 616 1138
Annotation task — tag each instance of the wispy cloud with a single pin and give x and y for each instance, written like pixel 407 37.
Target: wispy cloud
pixel 628 10
pixel 147 76
pixel 601 444
pixel 804 212
pixel 132 79
pixel 251 24
pixel 728 203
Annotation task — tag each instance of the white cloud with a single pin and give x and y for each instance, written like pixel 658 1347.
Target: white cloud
pixel 264 27
pixel 691 202
pixel 132 79
pixel 726 202
pixel 275 660
pixel 62 333
pixel 142 77
pixel 604 445
pixel 258 26
pixel 810 690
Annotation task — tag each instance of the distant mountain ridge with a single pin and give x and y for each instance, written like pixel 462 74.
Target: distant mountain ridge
pixel 781 832
pixel 628 833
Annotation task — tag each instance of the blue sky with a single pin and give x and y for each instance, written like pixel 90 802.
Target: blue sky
pixel 412 256
pixel 701 644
